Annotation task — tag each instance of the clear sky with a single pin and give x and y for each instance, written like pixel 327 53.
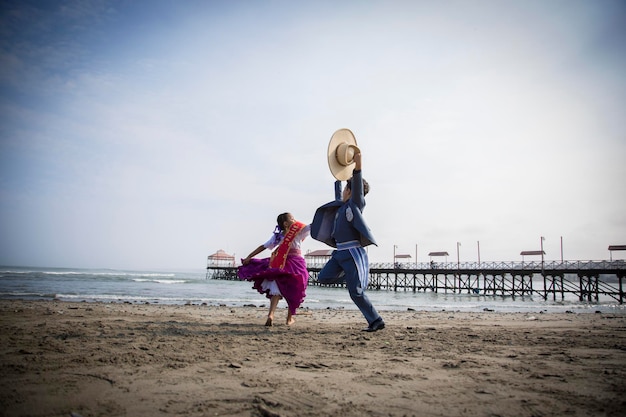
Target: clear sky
pixel 150 134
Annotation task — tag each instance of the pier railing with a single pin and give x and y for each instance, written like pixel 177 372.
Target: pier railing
pixel 586 280
pixel 499 265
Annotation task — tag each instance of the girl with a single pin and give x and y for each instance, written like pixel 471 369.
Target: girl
pixel 284 274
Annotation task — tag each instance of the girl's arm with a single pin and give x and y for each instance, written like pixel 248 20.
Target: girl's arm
pixel 254 253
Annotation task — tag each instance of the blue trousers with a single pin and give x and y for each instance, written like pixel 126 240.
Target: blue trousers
pixel 341 267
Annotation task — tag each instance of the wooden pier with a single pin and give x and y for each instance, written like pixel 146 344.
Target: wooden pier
pixel 586 280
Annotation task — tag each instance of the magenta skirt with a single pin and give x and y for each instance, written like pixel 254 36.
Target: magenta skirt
pixel 291 280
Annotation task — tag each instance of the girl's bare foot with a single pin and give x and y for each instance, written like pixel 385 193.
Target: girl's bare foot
pixel 269 322
pixel 290 321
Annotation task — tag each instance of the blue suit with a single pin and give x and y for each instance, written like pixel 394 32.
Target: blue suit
pixel 341 225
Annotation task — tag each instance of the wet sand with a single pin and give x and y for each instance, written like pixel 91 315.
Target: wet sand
pixel 96 359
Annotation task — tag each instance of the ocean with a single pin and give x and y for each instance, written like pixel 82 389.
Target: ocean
pixel 191 287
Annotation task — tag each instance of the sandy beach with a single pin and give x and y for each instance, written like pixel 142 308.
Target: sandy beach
pixel 95 359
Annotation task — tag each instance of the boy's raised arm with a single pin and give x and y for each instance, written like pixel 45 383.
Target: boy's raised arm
pixel 337 190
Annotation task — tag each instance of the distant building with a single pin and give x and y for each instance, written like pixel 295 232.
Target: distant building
pixel 318 258
pixel 220 258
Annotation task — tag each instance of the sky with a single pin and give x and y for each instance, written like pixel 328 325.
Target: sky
pixel 150 134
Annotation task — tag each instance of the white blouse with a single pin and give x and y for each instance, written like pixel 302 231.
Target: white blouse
pixel 296 243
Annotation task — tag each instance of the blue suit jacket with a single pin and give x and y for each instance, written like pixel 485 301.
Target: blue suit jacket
pixel 324 219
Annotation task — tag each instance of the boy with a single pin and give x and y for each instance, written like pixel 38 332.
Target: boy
pixel 340 224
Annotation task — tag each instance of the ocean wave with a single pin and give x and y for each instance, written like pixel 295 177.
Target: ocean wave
pixel 89 273
pixel 129 298
pixel 108 274
pixel 161 281
pixel 26 295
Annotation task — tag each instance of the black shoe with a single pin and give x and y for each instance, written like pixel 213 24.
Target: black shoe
pixel 375 326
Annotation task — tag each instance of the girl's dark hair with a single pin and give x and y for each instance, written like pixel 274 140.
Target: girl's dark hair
pixel 282 218
pixel 279 233
pixel 366 186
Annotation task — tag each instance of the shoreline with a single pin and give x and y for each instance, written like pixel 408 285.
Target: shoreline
pixel 117 359
pixel 493 305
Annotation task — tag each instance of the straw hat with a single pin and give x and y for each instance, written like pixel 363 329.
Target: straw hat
pixel 341 150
